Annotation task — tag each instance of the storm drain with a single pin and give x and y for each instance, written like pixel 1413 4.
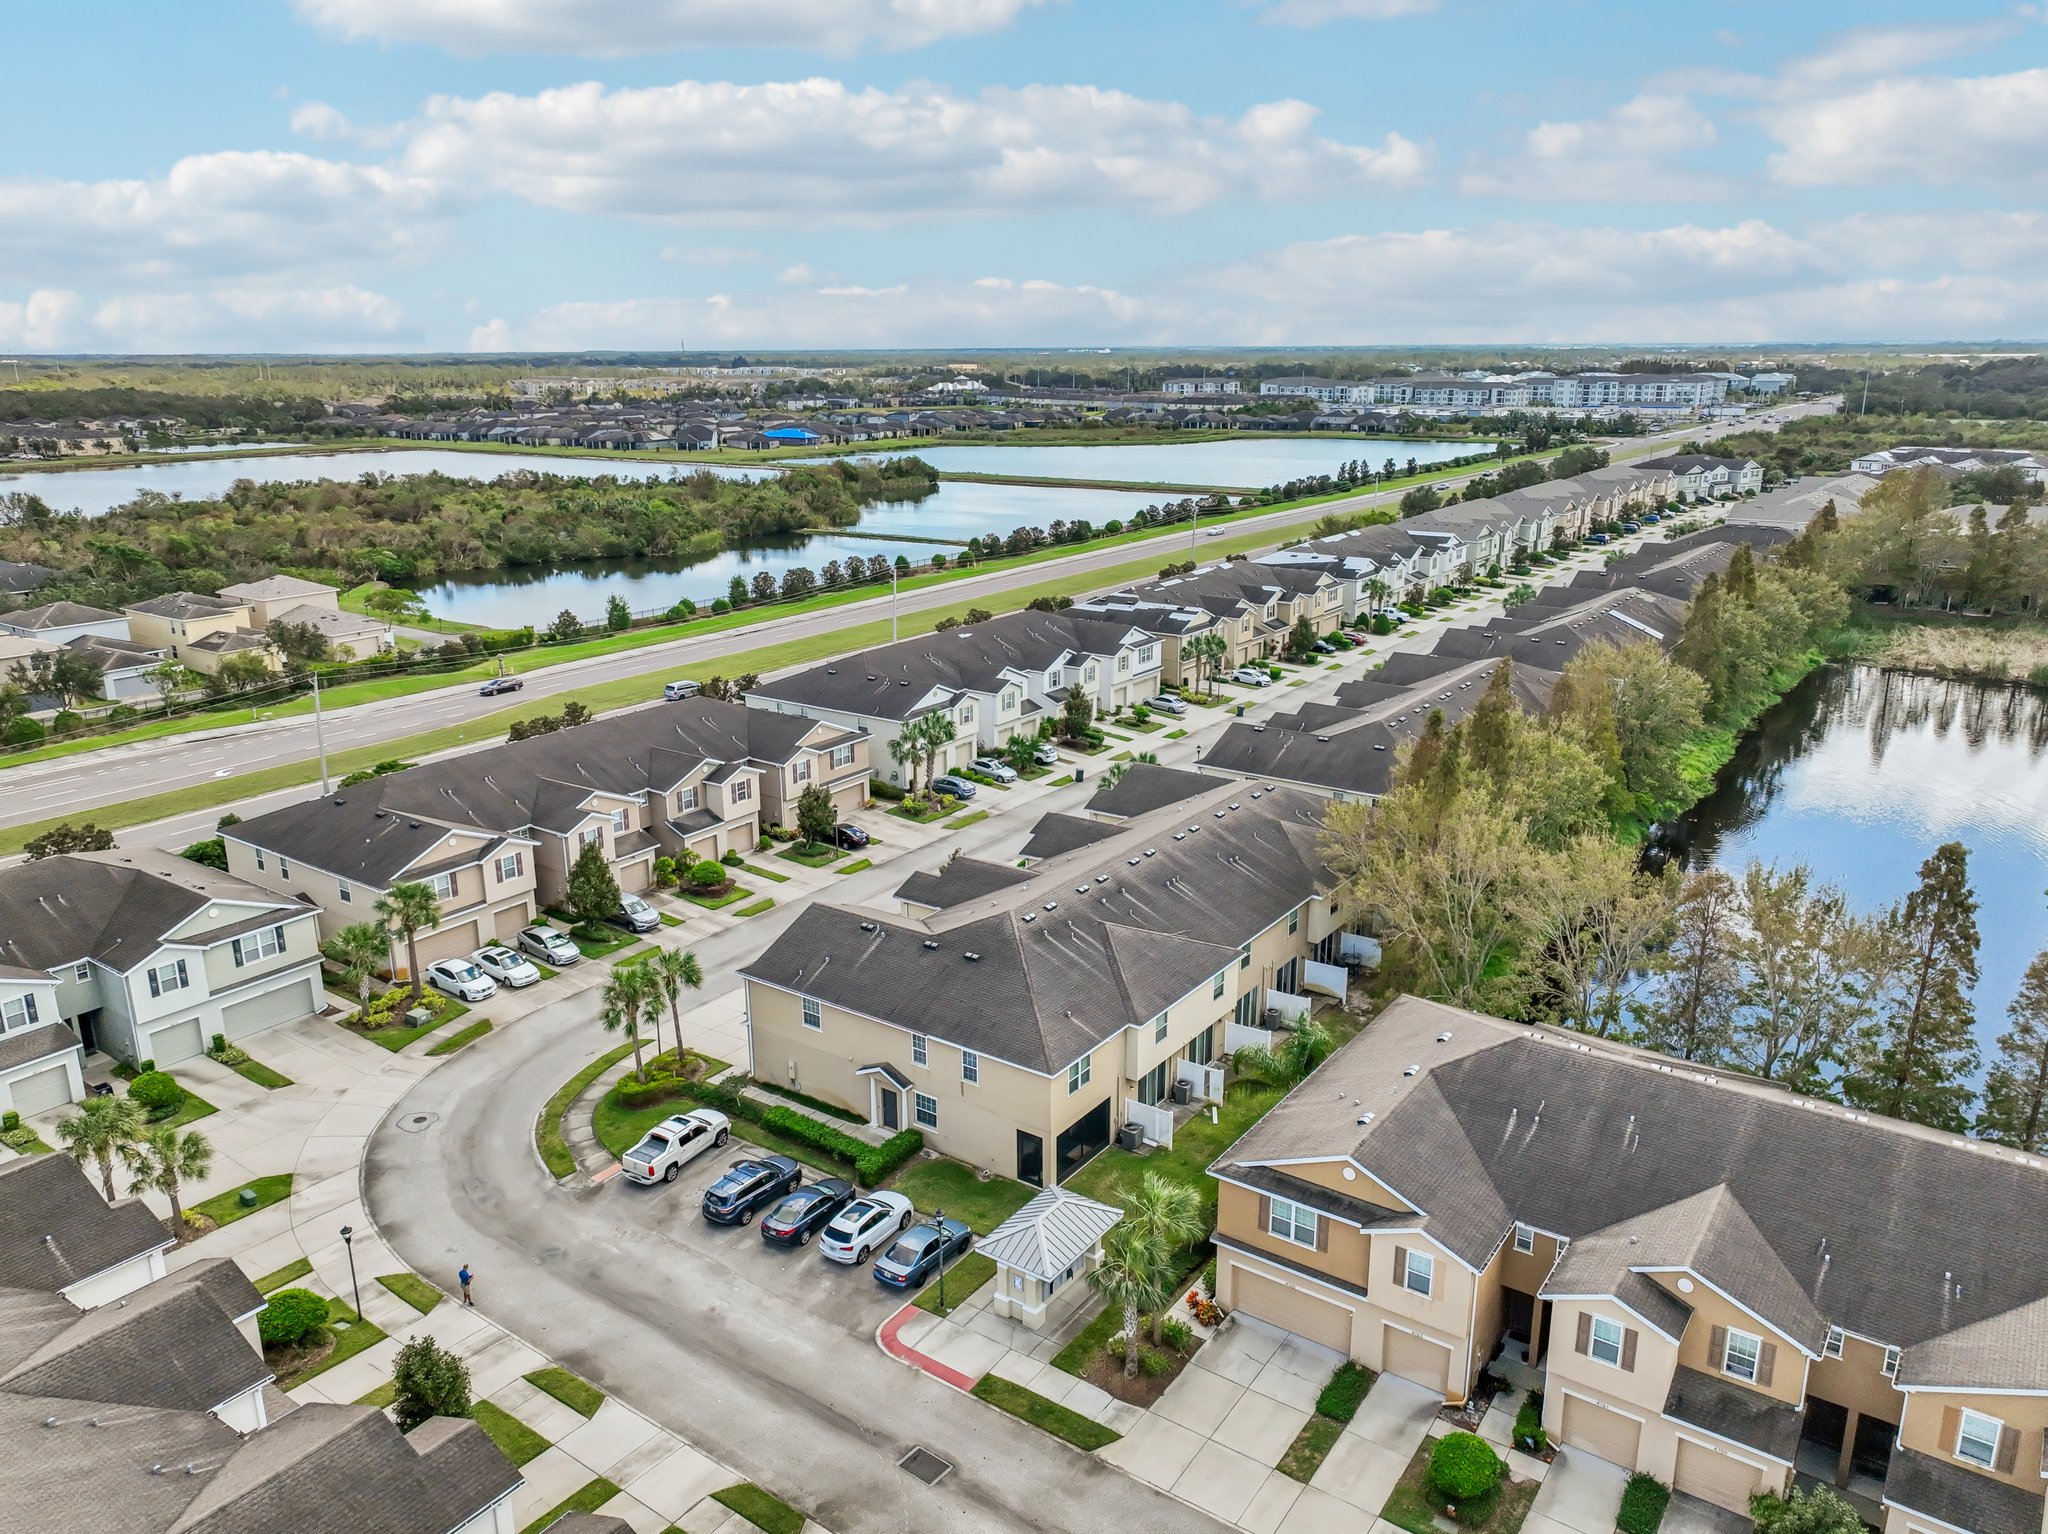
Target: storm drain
pixel 413 1123
pixel 925 1465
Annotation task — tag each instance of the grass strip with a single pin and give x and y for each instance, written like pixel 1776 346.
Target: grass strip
pixel 297 1268
pixel 261 1074
pixel 719 902
pixel 587 1498
pixel 756 908
pixel 670 919
pixel 962 822
pixel 1345 1393
pixel 811 856
pixel 1049 1416
pixel 859 865
pixel 766 873
pixel 1088 1341
pixel 547 1129
pixel 763 1509
pixel 519 1442
pixel 193 1107
pixel 577 1394
pixel 383 1396
pixel 469 1035
pixel 414 1290
pixel 1311 1446
pixel 226 1208
pixel 963 1281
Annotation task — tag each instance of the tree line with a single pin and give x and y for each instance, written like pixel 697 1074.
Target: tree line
pixel 1910 543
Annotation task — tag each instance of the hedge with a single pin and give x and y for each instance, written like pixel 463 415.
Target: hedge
pixel 870 1163
pixel 1642 1505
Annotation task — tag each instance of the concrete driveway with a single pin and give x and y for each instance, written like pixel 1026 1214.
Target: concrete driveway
pixel 1689 1515
pixel 1580 1495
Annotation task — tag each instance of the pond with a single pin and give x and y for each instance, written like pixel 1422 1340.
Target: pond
pixel 1861 772
pixel 1240 463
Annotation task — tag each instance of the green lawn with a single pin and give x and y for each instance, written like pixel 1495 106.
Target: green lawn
pixel 291 1272
pixel 226 1208
pixel 396 1038
pixel 469 1035
pixel 414 1290
pixel 859 865
pixel 587 1498
pixel 1114 1174
pixel 579 1395
pixel 810 854
pixel 919 818
pixel 767 873
pixel 963 1281
pixel 1411 1505
pixel 1311 1446
pixel 519 1442
pixel 670 919
pixel 953 1187
pixel 717 902
pixel 193 1107
pixel 607 940
pixel 1060 1421
pixel 1088 1341
pixel 261 1074
pixel 547 1129
pixel 381 1397
pixel 764 1510
pixel 756 908
pixel 352 1335
pixel 964 821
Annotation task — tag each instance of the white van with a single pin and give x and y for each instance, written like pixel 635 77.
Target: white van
pixel 678 690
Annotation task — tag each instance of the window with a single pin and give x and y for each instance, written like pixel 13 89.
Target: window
pixel 1890 1367
pixel 1604 1341
pixel 967 713
pixel 347 895
pixel 1123 664
pixel 970 1066
pixel 812 1020
pixel 443 885
pixel 801 771
pixel 927 1110
pixel 1088 675
pixel 842 756
pixel 1977 1438
pixel 82 973
pixel 1291 1222
pixel 1418 1272
pixel 18 1012
pixel 1525 1238
pixel 742 790
pixel 284 869
pixel 1077 1074
pixel 621 821
pixel 1052 677
pixel 259 859
pixel 594 837
pixel 1740 1358
pixel 920 1050
pixel 1148 655
pixel 1216 985
pixel 1294 920
pixel 1009 702
pixel 1244 956
pixel 166 978
pixel 264 945
pixel 511 865
pixel 1159 1029
pixel 1832 1348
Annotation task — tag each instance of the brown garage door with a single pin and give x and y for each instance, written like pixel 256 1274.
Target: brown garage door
pixel 1416 1358
pixel 510 920
pixel 1721 1479
pixel 452 942
pixel 1602 1433
pixel 1284 1306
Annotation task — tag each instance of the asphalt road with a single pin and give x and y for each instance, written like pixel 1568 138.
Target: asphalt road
pixel 75 784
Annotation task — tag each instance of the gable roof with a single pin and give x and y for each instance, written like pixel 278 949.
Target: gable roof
pixel 117 907
pixel 55 1230
pixel 961 879
pixel 53 615
pixel 275 588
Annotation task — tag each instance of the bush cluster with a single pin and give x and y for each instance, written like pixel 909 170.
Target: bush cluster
pixel 870 1163
pixel 1642 1505
pixel 386 1010
pixel 290 1316
pixel 1464 1468
pixel 1529 1432
pixel 159 1095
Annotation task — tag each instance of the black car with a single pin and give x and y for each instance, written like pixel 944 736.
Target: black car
pixel 750 1185
pixel 498 684
pixel 806 1212
pixel 851 837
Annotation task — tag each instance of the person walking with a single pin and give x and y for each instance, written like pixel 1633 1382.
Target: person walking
pixel 463 1278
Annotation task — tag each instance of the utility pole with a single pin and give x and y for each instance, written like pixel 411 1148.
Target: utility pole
pixel 320 734
pixel 1866 393
pixel 893 573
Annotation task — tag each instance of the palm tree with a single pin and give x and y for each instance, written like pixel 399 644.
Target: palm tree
pixel 629 994
pixel 100 1129
pixel 1124 1276
pixel 905 751
pixel 675 971
pixel 1167 1216
pixel 408 910
pixel 162 1161
pixel 359 950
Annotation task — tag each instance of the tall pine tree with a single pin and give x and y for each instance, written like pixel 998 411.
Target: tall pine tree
pixel 2015 1110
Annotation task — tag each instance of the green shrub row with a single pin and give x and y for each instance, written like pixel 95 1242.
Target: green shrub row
pixel 870 1163
pixel 1642 1505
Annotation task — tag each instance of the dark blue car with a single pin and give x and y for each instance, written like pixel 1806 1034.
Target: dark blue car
pixel 748 1186
pixel 806 1212
pixel 919 1253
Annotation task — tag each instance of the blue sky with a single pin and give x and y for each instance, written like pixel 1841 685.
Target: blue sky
pixel 376 175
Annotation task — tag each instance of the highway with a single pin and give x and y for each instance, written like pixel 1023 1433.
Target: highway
pixel 76 785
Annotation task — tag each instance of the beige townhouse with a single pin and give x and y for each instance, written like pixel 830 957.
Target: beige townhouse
pixel 1025 1017
pixel 199 631
pixel 1725 1285
pixel 309 604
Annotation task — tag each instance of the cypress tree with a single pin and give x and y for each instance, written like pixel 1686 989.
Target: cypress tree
pixel 2015 1110
pixel 1490 730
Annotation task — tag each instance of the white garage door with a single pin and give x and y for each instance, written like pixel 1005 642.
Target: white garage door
pixel 1602 1433
pixel 41 1091
pixel 455 942
pixel 1718 1478
pixel 1416 1358
pixel 243 1018
pixel 1284 1306
pixel 180 1041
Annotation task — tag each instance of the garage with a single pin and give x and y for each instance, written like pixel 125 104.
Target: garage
pixel 510 920
pixel 1714 1477
pixel 1287 1307
pixel 1602 1433
pixel 1416 1358
pixel 240 1019
pixel 458 941
pixel 40 1091
pixel 179 1041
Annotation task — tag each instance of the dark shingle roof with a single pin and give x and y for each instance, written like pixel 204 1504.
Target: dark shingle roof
pixel 1733 1412
pixel 49 1196
pixel 116 907
pixel 959 881
pixel 1923 1484
pixel 1056 833
pixel 56 615
pixel 26 1044
pixel 1146 786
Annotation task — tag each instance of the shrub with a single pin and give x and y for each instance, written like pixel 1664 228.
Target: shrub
pixel 765 844
pixel 1642 1505
pixel 290 1315
pixel 893 794
pixel 1176 1333
pixel 159 1095
pixel 1529 1432
pixel 708 875
pixel 67 722
pixel 21 731
pixel 638 1094
pixel 1463 1467
pixel 1818 1511
pixel 1209 1278
pixel 9 1121
pixel 877 1162
pixel 666 873
pixel 431 1381
pixel 1345 1393
pixel 123 713
pixel 732 859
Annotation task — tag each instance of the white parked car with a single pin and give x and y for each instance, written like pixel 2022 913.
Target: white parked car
pixel 866 1226
pixel 1251 676
pixel 673 1144
pixel 461 979
pixel 989 767
pixel 1167 703
pixel 505 966
pixel 549 946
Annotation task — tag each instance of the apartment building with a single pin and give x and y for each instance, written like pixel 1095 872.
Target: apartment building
pixel 495 833
pixel 1020 1022
pixel 1199 386
pixel 993 680
pixel 140 955
pixel 1724 1284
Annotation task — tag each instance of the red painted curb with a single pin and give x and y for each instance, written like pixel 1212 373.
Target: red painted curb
pixel 896 1348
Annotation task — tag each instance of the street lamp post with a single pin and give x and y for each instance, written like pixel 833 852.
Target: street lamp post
pixel 348 1240
pixel 893 576
pixel 939 1224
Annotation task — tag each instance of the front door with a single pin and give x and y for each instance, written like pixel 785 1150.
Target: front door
pixel 1030 1159
pixel 891 1112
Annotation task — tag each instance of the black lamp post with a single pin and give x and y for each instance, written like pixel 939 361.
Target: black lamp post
pixel 939 1223
pixel 348 1240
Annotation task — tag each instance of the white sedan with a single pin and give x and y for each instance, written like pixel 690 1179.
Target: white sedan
pixel 461 979
pixel 1247 676
pixel 866 1226
pixel 673 1144
pixel 505 966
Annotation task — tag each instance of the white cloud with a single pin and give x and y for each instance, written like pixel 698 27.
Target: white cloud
pixel 345 318
pixel 1864 52
pixel 45 321
pixel 619 28
pixel 213 215
pixel 1315 13
pixel 812 150
pixel 1624 156
pixel 318 120
pixel 1985 131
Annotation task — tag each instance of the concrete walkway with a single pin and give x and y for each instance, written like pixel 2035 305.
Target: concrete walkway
pixel 1580 1495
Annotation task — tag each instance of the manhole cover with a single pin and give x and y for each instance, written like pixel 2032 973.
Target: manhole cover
pixel 413 1123
pixel 925 1465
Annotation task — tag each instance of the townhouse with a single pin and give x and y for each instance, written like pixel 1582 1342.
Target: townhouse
pixel 309 604
pixel 1950 462
pixel 61 622
pixel 494 833
pixel 1654 1239
pixel 993 680
pixel 1703 477
pixel 1251 604
pixel 199 631
pixel 140 955
pixel 1026 1015
pixel 140 1401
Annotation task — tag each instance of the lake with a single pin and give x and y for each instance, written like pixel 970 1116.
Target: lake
pixel 1861 772
pixel 1246 463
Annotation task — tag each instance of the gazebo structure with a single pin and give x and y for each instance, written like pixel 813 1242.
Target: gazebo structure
pixel 1041 1249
